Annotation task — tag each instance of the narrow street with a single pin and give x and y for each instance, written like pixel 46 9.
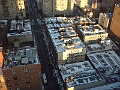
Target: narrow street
pixel 43 52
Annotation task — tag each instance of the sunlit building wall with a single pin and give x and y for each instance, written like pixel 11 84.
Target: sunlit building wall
pixel 60 6
pixel 82 3
pixel 9 9
pixel 57 7
pixel 115 25
pixel 2 81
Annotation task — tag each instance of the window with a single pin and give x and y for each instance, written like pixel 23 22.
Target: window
pixel 26 76
pixel 17 88
pixel 15 78
pixel 28 86
pixel 25 69
pixel 13 71
pixel 7 79
pixel 27 82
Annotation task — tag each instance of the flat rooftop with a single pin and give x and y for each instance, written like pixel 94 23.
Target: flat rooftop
pixel 22 56
pixel 79 73
pixel 57 22
pixel 67 21
pixel 62 34
pixel 81 20
pixel 91 29
pixel 20 25
pixel 19 34
pixel 99 46
pixel 106 62
pixel 65 38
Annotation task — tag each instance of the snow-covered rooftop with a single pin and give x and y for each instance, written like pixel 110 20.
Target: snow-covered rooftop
pixel 100 46
pixel 68 21
pixel 65 38
pixel 80 73
pixel 22 56
pixel 91 29
pixel 19 34
pixel 20 25
pixel 107 62
pixel 62 34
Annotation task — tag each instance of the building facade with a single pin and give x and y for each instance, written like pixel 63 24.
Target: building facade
pixel 20 71
pixel 57 7
pixel 80 76
pixel 20 30
pixel 108 5
pixel 66 46
pixel 91 33
pixel 9 9
pixel 47 7
pixel 81 3
pixel 104 20
pixel 114 33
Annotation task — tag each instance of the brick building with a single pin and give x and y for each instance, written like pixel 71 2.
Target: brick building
pixel 18 72
pixel 3 31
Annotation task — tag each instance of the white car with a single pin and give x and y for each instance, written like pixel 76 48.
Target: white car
pixel 44 78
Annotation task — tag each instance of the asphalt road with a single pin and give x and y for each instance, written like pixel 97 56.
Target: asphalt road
pixel 43 53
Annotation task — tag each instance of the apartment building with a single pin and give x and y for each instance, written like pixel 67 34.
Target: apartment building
pixel 108 5
pixel 47 7
pixel 91 33
pixel 57 7
pixel 107 63
pixel 80 76
pixel 20 30
pixel 114 32
pixel 63 7
pixel 9 9
pixel 81 3
pixel 102 45
pixel 66 45
pixel 20 69
pixel 104 19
